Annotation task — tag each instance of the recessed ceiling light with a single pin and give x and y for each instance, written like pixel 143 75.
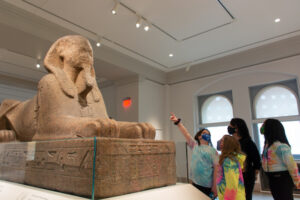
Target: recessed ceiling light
pixel 277 20
pixel 171 55
pixel 38 65
pixel 98 44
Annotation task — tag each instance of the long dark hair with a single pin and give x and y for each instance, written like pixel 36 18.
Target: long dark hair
pixel 241 125
pixel 274 131
pixel 199 133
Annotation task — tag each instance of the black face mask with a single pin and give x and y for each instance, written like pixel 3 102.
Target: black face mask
pixel 231 130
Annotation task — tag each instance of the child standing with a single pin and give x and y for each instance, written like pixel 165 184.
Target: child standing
pixel 204 158
pixel 230 182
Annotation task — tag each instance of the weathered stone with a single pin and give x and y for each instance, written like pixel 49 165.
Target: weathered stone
pixel 122 165
pixel 68 103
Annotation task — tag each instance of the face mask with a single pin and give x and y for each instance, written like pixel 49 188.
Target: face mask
pixel 230 130
pixel 262 129
pixel 206 137
pixel 219 145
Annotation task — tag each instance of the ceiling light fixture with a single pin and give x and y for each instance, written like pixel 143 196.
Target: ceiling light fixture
pixel 38 63
pixel 171 55
pixel 188 67
pixel 114 10
pixel 98 42
pixel 277 20
pixel 138 22
pixel 146 27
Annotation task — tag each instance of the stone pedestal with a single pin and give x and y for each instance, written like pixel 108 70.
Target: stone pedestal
pixel 121 166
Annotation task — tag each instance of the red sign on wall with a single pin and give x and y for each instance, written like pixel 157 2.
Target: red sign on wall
pixel 126 102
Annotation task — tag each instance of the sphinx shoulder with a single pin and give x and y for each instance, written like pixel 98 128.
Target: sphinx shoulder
pixel 48 82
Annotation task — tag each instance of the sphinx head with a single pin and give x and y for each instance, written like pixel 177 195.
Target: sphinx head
pixel 70 59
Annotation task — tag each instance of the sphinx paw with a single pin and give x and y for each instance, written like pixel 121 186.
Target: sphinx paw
pixel 7 136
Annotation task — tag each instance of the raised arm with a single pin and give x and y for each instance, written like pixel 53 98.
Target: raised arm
pixel 182 129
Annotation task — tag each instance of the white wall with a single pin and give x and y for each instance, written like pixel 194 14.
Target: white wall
pixel 148 103
pixel 109 96
pixel 183 95
pixel 153 107
pixel 11 92
pixel 127 90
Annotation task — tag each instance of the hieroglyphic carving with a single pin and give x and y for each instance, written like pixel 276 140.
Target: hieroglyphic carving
pixel 122 165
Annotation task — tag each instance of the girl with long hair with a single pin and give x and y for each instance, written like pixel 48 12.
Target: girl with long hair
pixel 230 182
pixel 278 161
pixel 238 128
pixel 204 158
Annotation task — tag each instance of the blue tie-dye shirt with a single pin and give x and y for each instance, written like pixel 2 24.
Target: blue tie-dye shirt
pixel 204 157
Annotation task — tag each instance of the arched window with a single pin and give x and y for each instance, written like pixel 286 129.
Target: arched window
pixel 215 113
pixel 275 101
pixel 281 102
pixel 216 108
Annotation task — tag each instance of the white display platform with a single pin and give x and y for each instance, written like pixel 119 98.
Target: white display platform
pixel 14 191
pixel 179 191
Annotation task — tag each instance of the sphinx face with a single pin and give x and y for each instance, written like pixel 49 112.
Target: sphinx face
pixel 78 64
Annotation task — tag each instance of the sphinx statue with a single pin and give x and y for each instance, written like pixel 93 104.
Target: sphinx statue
pixel 68 103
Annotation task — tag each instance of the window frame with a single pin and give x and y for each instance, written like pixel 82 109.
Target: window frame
pixel 201 99
pixel 292 86
pixel 199 102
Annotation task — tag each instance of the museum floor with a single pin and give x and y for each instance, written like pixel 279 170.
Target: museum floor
pixel 265 196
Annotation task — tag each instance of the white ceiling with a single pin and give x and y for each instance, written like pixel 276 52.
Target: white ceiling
pixel 194 31
pixel 21 51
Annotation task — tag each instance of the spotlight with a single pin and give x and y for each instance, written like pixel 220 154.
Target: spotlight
pixel 98 43
pixel 146 27
pixel 188 67
pixel 277 20
pixel 38 63
pixel 114 10
pixel 171 55
pixel 138 22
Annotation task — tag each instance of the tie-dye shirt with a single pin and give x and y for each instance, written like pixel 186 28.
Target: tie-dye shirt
pixel 230 182
pixel 278 157
pixel 204 157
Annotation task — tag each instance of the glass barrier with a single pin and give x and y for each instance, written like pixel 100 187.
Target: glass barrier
pixel 66 166
pixel 91 168
pixel 182 164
